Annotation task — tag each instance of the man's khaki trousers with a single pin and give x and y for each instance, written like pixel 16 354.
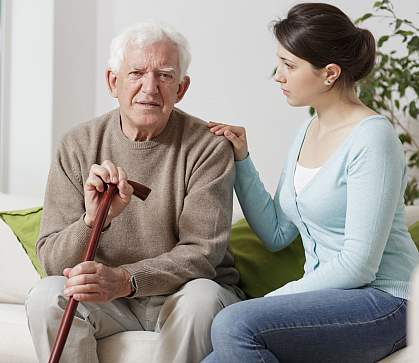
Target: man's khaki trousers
pixel 182 319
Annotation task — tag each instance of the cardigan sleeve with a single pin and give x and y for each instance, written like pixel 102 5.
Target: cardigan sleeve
pixel 264 214
pixel 375 185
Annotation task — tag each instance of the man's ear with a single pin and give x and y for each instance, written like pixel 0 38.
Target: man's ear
pixel 183 87
pixel 111 80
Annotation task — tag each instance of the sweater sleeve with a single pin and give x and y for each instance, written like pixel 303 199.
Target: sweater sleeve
pixel 204 228
pixel 263 213
pixel 375 185
pixel 63 234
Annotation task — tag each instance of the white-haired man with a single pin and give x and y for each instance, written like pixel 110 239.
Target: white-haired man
pixel 162 265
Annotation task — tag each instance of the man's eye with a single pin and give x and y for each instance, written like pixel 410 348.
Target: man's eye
pixel 289 66
pixel 166 76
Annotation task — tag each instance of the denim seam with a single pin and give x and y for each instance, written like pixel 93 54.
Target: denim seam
pixel 334 324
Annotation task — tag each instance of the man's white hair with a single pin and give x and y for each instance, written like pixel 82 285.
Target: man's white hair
pixel 145 33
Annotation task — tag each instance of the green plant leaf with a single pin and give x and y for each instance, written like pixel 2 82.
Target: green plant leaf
pixel 382 39
pixel 363 18
pixel 413 110
pixel 405 139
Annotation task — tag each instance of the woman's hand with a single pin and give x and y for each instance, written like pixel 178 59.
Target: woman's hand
pixel 235 134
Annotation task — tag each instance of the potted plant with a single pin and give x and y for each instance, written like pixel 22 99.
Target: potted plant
pixel 392 88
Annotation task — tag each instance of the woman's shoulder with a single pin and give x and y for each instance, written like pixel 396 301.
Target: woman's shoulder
pixel 375 136
pixel 375 130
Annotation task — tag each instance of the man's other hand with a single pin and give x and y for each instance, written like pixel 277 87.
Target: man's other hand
pixel 94 282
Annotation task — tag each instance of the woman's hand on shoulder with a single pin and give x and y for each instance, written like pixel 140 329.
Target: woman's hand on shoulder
pixel 235 134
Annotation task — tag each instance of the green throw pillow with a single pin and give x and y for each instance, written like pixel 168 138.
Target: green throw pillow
pixel 25 226
pixel 414 232
pixel 262 271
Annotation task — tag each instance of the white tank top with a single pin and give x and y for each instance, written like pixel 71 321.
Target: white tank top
pixel 303 176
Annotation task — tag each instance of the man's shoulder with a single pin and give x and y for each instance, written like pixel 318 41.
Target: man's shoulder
pixel 86 132
pixel 196 131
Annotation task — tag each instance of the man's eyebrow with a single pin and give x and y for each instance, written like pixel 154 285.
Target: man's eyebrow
pixel 167 69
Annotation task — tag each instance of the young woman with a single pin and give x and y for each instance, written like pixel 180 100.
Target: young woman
pixel 342 189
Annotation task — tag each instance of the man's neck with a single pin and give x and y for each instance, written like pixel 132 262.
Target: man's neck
pixel 141 133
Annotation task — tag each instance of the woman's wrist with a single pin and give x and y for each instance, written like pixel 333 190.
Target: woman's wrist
pixel 241 158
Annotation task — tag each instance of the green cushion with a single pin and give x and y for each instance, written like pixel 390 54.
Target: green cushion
pixel 262 271
pixel 25 226
pixel 414 232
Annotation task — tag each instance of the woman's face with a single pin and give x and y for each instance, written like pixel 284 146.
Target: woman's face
pixel 300 82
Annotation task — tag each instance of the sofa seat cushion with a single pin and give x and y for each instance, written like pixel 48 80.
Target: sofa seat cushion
pixel 16 342
pixel 128 347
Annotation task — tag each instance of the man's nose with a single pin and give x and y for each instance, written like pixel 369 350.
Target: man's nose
pixel 149 83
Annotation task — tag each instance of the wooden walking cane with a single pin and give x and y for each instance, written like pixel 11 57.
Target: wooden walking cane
pixel 140 191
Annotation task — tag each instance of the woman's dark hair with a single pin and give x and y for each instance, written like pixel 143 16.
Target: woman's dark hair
pixel 322 34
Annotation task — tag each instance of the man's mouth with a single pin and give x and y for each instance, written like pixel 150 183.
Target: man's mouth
pixel 149 103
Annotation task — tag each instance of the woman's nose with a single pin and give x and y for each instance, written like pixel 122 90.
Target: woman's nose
pixel 279 77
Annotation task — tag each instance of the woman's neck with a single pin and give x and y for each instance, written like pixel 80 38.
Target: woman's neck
pixel 338 108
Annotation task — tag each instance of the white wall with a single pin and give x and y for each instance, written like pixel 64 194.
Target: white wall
pixel 50 86
pixel 31 90
pixel 60 49
pixel 233 54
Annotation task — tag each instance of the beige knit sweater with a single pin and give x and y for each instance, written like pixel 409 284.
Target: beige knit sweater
pixel 179 233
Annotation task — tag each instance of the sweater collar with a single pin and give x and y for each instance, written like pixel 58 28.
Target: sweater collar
pixel 161 138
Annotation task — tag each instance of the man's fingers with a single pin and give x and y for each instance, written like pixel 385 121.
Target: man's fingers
pixel 83 279
pixel 125 189
pixel 87 267
pixel 101 172
pixel 95 297
pixel 82 289
pixel 112 171
pixel 93 182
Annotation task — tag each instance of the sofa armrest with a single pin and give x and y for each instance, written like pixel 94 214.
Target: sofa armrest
pixel 413 315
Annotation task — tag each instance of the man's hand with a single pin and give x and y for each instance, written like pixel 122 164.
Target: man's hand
pixel 107 172
pixel 94 282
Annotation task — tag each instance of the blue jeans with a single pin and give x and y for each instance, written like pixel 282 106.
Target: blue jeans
pixel 360 325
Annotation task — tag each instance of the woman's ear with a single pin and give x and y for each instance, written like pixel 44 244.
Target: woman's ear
pixel 111 81
pixel 331 73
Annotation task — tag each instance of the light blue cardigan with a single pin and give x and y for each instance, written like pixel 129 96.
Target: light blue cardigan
pixel 351 215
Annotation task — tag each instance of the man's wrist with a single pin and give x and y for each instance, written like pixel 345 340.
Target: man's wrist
pixel 90 222
pixel 128 284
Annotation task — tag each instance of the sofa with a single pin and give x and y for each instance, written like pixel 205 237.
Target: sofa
pixel 18 275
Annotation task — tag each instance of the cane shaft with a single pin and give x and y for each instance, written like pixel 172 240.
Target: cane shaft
pixel 140 191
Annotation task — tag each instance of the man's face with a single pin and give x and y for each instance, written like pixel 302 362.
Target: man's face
pixel 147 84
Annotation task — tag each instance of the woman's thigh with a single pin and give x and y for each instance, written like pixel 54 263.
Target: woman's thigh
pixel 358 325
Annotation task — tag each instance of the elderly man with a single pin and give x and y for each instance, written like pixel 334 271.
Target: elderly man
pixel 163 264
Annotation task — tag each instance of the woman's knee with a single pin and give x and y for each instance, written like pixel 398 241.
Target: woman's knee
pixel 228 324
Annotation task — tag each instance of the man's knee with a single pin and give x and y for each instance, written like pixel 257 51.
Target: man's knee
pixel 203 295
pixel 44 294
pixel 198 302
